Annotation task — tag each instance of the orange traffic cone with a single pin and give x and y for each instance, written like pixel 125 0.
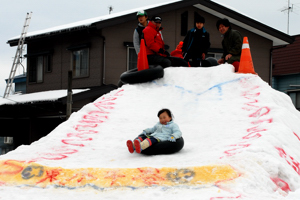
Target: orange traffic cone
pixel 246 64
pixel 142 62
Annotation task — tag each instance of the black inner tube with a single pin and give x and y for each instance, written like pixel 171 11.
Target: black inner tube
pixel 165 147
pixel 135 76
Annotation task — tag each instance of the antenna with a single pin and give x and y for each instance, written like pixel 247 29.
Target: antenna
pixel 288 9
pixel 110 9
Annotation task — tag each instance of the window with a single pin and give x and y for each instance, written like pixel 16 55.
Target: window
pixel 131 58
pixel 80 62
pixel 184 23
pixel 8 140
pixel 214 55
pixel 37 64
pixel 295 96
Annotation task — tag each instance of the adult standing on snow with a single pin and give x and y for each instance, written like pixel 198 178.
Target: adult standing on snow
pixel 156 53
pixel 196 43
pixel 232 43
pixel 142 18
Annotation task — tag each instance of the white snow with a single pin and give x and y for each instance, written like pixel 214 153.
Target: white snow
pixel 38 96
pixel 226 119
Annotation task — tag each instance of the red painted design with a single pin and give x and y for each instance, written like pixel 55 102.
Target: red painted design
pixel 252 136
pixel 114 176
pixel 256 112
pixel 79 178
pixel 51 175
pixel 281 184
pixel 260 112
pixel 232 152
pixel 149 176
pixel 260 121
pixel 81 134
pixel 12 166
pixel 237 197
pixel 296 135
pixel 289 159
pixel 84 127
pixel 76 142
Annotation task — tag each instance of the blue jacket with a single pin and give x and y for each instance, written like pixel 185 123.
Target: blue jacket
pixel 195 43
pixel 163 132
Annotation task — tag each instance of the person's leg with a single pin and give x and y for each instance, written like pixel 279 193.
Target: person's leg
pixel 130 144
pixel 196 62
pixel 158 60
pixel 139 146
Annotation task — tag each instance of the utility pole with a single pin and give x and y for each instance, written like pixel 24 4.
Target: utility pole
pixel 69 96
pixel 288 9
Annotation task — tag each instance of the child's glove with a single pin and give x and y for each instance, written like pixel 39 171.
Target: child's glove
pixel 172 139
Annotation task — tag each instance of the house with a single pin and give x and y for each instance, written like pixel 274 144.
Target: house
pixel 286 70
pixel 28 117
pixel 90 47
pixel 20 83
pixel 98 50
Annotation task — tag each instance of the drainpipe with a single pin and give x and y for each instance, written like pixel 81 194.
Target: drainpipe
pixel 271 67
pixel 103 67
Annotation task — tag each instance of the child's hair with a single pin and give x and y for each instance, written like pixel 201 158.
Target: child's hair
pixel 165 110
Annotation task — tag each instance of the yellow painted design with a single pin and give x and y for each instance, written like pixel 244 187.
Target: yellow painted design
pixel 20 173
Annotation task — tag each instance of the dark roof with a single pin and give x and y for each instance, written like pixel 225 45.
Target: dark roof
pixel 52 108
pixel 19 78
pixel 278 37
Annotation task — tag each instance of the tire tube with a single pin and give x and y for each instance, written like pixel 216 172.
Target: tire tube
pixel 135 76
pixel 164 147
pixel 212 61
pixel 178 62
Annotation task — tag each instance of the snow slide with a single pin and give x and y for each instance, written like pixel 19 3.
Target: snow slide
pixel 242 141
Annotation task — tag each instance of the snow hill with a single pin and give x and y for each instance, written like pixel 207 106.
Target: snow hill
pixel 242 141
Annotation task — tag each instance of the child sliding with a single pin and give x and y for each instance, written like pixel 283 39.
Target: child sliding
pixel 164 130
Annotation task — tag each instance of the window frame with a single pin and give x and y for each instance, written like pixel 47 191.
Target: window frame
pixel 295 97
pixel 73 67
pixel 130 49
pixel 39 67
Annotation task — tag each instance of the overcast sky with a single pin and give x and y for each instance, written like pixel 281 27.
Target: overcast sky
pixel 50 13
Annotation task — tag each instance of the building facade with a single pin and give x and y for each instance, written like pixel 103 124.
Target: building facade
pixel 286 70
pixel 99 50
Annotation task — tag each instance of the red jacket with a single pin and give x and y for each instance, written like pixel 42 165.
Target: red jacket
pixel 153 39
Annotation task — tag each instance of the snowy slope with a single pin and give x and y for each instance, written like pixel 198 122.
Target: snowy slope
pixel 227 119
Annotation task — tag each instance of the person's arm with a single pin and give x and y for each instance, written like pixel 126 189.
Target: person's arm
pixel 208 43
pixel 176 131
pixel 149 40
pixel 221 61
pixel 150 130
pixel 237 43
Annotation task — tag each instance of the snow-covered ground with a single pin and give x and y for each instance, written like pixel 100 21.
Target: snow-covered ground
pixel 227 119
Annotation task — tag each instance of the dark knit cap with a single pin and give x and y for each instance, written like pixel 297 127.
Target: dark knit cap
pixel 223 21
pixel 200 19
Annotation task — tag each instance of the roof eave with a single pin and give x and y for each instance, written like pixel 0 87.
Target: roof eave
pixel 278 37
